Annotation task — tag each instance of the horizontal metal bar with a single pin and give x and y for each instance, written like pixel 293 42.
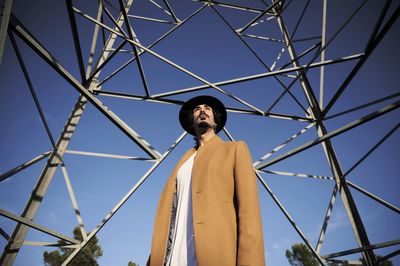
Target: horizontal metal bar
pixel 357 250
pixel 41 51
pixel 261 75
pixel 345 262
pixel 24 165
pixel 169 62
pixel 151 19
pixel 297 174
pixel 170 101
pixel 41 228
pixel 332 134
pixel 48 244
pixel 107 155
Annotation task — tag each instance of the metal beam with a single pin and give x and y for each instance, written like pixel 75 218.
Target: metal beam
pixel 169 62
pixel 135 50
pixel 268 9
pixel 322 70
pixel 75 36
pixel 363 106
pixel 4 234
pixel 171 11
pixel 283 144
pixel 233 6
pixel 365 156
pixel 229 109
pixel 286 89
pixel 23 166
pixel 261 75
pixel 326 220
pixel 123 200
pixel 5 13
pixel 284 173
pixel 372 44
pixel 388 256
pixel 41 228
pixel 316 113
pixel 32 90
pixel 42 52
pixel 153 44
pixel 290 219
pixel 332 134
pixel 74 201
pixel 107 155
pixel 364 248
pixel 29 212
pixel 372 196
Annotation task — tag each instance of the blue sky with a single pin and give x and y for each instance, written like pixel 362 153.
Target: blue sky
pixel 206 46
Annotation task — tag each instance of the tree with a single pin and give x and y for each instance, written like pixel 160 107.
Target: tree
pixel 131 263
pixel 300 255
pixel 87 256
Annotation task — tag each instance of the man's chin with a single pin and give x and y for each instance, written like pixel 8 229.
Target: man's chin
pixel 203 124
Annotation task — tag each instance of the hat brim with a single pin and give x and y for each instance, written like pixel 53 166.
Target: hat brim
pixel 186 119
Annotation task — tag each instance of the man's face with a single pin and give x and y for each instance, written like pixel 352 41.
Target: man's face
pixel 203 116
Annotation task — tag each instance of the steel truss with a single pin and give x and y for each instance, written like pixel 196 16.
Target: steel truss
pixel 118 33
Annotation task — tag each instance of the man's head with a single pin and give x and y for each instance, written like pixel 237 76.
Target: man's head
pixel 201 113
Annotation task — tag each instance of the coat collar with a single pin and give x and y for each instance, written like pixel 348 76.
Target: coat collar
pixel 211 142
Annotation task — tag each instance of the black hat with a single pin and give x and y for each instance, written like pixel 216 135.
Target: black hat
pixel 186 117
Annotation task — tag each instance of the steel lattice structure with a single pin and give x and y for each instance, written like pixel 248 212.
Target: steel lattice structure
pixel 293 67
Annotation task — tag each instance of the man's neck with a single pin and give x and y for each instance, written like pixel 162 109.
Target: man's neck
pixel 206 136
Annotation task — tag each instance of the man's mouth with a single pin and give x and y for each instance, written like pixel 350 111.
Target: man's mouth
pixel 202 116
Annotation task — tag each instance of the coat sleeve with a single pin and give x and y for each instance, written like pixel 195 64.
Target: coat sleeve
pixel 250 236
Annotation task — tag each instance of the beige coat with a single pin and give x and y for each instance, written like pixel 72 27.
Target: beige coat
pixel 226 214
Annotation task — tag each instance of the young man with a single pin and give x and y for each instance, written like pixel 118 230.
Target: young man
pixel 208 214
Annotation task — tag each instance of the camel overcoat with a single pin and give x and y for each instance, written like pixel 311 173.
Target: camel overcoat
pixel 226 214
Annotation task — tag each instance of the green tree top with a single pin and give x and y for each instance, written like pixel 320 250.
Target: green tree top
pixel 88 255
pixel 300 255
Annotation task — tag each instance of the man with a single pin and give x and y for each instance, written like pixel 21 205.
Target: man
pixel 208 214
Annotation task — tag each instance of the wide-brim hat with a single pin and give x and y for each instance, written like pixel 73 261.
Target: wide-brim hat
pixel 186 112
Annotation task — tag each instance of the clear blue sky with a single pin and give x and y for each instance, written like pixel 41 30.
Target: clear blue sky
pixel 208 48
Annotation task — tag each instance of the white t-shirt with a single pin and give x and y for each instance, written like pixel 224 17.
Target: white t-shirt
pixel 183 247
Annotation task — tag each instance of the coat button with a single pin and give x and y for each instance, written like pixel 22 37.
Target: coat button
pixel 199 221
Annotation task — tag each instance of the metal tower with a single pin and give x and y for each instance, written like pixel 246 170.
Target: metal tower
pixel 291 48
